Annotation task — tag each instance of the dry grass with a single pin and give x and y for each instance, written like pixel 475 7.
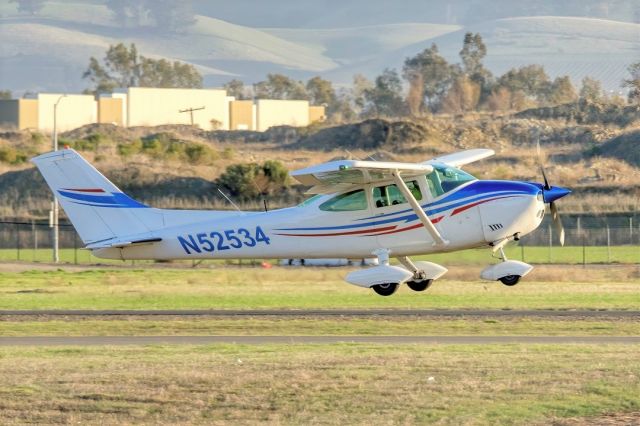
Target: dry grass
pixel 298 288
pixel 339 384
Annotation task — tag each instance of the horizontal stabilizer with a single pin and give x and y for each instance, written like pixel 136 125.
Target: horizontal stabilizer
pixel 121 244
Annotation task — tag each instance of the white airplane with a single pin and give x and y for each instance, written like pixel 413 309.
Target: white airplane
pixel 361 209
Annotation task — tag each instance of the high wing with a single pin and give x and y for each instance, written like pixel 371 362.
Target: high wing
pixel 340 175
pixel 461 158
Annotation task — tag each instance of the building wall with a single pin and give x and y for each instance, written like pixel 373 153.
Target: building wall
pixel 110 110
pixel 73 111
pixel 316 113
pixel 278 112
pixel 241 115
pixel 19 113
pixel 9 113
pixel 152 107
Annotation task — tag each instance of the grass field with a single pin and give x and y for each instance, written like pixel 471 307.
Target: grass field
pixel 321 288
pixel 535 255
pixel 345 326
pixel 317 384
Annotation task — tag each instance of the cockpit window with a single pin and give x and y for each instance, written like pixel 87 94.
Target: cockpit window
pixel 390 195
pixel 310 200
pixel 444 179
pixel 349 201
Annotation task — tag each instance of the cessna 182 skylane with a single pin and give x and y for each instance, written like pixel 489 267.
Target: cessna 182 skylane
pixel 360 209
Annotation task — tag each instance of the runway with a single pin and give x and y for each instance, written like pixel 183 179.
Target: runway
pixel 445 313
pixel 264 340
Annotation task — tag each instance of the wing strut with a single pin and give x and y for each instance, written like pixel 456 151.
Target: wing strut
pixel 431 229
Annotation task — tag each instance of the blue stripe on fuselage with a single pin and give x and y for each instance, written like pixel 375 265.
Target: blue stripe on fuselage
pixel 473 192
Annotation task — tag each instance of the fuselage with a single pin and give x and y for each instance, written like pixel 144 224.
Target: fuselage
pixel 468 214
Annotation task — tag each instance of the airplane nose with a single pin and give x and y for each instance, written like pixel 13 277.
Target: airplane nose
pixel 554 193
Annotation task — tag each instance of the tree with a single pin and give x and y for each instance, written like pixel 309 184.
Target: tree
pixel 279 86
pixel 385 97
pixel 472 53
pixel 633 83
pixel 321 92
pixel 247 181
pixel 31 7
pixel 463 96
pixel 435 74
pixel 591 90
pixel 529 81
pixel 561 91
pixel 163 73
pixel 124 67
pixel 360 86
pixel 236 89
pixel 5 94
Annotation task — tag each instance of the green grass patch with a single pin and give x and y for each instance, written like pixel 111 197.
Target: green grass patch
pixel 307 384
pixel 534 255
pixel 299 288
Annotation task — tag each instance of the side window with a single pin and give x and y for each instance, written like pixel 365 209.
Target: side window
pixel 349 201
pixel 390 195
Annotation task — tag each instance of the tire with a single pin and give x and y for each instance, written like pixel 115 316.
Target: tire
pixel 419 285
pixel 386 289
pixel 510 280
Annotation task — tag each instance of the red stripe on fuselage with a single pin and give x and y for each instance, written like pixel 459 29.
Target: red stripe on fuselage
pixel 409 228
pixel 362 231
pixel 84 189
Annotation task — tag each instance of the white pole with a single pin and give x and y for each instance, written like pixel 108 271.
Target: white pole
pixel 56 209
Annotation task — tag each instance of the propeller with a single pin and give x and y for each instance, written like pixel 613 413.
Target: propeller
pixel 550 194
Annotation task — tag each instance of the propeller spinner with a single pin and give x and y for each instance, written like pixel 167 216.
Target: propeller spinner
pixel 550 194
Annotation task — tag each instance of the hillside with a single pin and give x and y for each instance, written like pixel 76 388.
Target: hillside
pixel 177 166
pixel 50 51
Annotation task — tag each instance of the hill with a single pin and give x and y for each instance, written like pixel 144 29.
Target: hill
pixel 50 51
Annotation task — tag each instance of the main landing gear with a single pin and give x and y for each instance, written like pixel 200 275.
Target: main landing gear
pixel 385 279
pixel 508 272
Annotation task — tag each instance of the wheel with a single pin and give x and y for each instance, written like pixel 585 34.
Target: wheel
pixel 419 285
pixel 386 289
pixel 510 280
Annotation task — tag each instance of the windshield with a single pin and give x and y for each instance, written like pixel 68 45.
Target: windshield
pixel 445 178
pixel 310 200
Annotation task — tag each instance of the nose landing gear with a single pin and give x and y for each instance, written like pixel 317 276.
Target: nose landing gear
pixel 508 272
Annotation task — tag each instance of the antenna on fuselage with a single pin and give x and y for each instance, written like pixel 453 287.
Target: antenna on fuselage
pixel 229 200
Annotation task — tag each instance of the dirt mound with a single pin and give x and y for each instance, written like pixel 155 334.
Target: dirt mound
pixel 367 135
pixel 625 147
pixel 586 112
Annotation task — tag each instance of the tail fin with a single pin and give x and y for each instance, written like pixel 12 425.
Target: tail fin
pixel 98 210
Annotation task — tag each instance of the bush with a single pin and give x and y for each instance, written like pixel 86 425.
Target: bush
pixel 129 149
pixel 12 156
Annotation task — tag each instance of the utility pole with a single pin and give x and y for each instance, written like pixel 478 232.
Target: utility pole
pixel 190 111
pixel 53 217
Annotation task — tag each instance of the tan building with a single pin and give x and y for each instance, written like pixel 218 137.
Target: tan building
pixel 152 107
pixel 316 114
pixel 241 115
pixel 73 111
pixel 272 112
pixel 19 113
pixel 110 110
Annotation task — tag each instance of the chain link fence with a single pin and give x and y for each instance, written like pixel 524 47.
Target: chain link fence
pixel 595 242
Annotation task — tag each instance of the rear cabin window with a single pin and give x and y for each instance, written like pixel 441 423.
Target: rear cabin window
pixel 390 195
pixel 349 201
pixel 444 179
